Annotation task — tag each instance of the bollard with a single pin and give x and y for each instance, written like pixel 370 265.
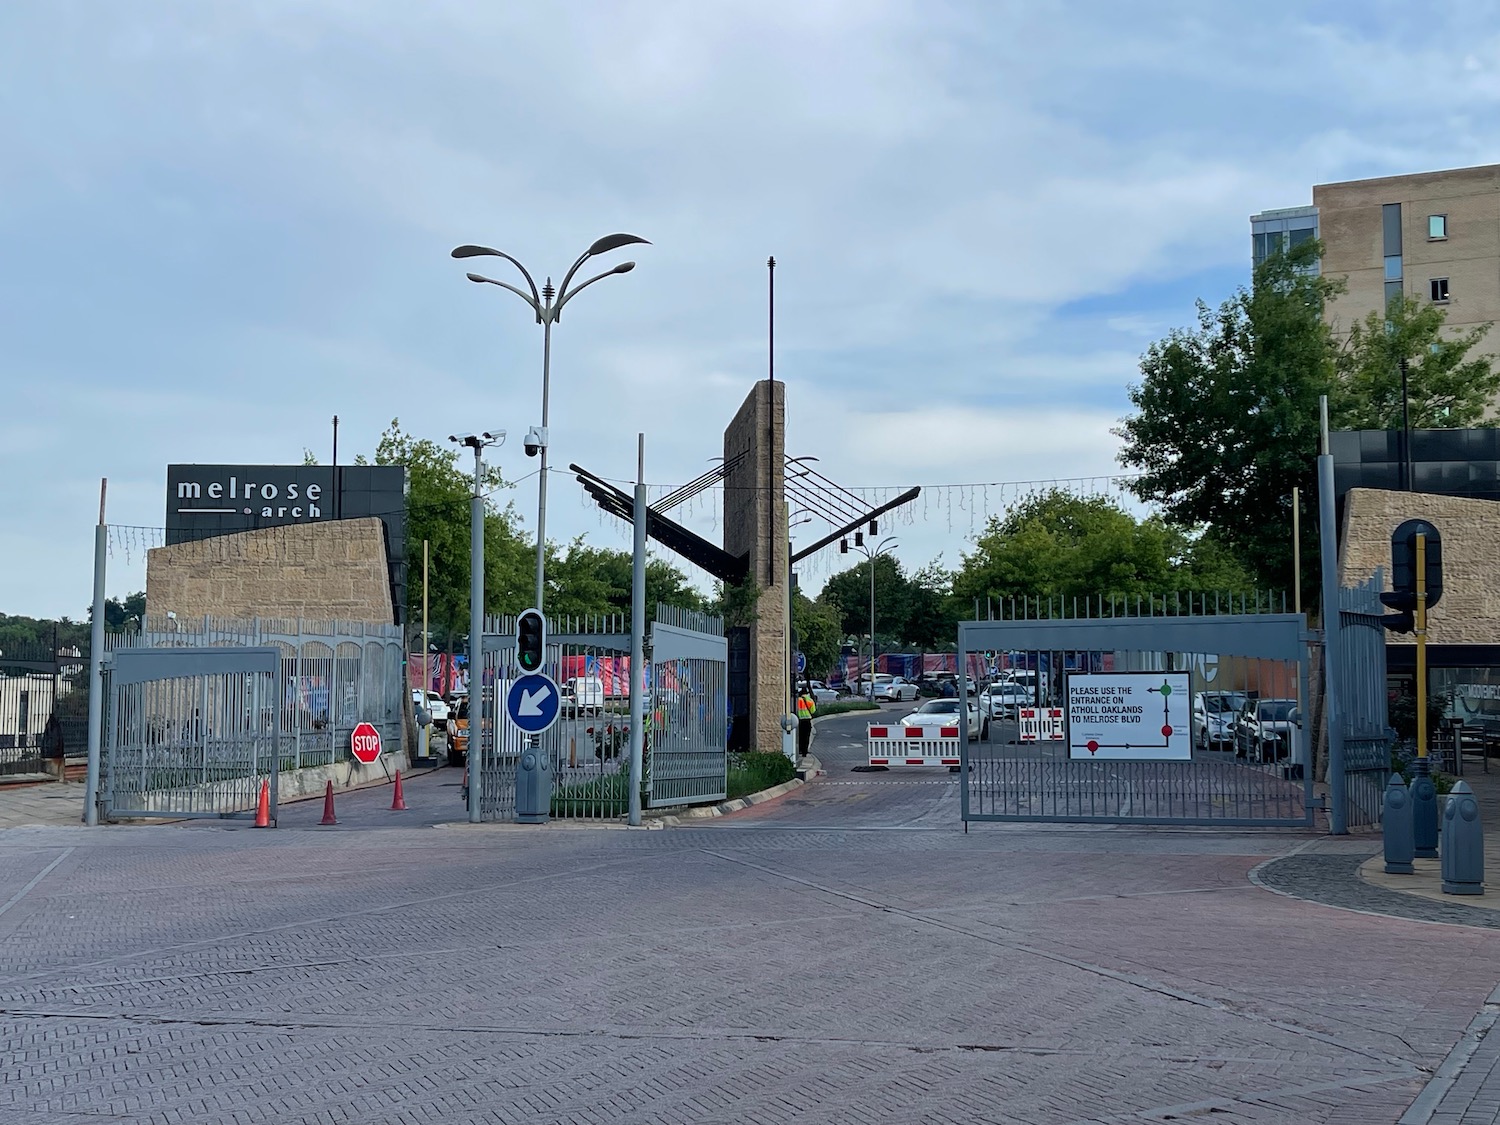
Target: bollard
pixel 1424 811
pixel 533 786
pixel 1463 843
pixel 1396 828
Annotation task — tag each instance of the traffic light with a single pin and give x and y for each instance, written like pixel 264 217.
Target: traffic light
pixel 1403 597
pixel 1404 560
pixel 531 641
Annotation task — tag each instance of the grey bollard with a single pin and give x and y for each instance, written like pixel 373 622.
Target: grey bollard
pixel 1463 843
pixel 1396 828
pixel 533 786
pixel 1424 811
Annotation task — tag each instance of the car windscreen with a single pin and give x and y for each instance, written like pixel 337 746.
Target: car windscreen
pixel 940 707
pixel 1223 702
pixel 1275 710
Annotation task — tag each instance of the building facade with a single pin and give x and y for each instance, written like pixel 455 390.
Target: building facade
pixel 1431 236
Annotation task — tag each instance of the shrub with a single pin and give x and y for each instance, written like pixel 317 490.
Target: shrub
pixel 845 705
pixel 752 772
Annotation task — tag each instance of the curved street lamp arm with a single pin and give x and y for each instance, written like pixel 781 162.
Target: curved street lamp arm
pixel 567 277
pixel 471 251
pixel 506 285
pixel 601 246
pixel 577 289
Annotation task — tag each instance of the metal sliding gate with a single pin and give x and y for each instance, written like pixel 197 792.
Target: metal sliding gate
pixel 588 747
pixel 1234 661
pixel 686 759
pixel 190 732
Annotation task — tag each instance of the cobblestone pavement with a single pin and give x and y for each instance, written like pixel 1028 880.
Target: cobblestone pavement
pixel 839 955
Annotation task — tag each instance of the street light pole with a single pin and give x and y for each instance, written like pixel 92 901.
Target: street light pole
pixel 477 443
pixel 547 303
pixel 885 546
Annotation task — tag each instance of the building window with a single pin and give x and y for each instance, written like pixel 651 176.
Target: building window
pixel 1439 289
pixel 1437 227
pixel 1390 223
pixel 1392 293
pixel 1393 267
pixel 1301 235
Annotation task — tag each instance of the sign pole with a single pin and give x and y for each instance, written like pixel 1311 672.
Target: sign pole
pixel 1333 710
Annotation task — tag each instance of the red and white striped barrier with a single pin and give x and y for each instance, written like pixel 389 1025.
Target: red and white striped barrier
pixel 1041 724
pixel 913 746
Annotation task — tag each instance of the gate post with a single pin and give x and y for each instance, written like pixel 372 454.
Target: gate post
pixel 1333 711
pixel 96 668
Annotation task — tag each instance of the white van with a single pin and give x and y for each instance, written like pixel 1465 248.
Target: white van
pixel 583 695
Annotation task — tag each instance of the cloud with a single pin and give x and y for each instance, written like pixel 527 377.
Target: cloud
pixel 228 223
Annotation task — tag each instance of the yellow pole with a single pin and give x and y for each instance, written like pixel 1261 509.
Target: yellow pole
pixel 1421 646
pixel 1296 550
pixel 426 648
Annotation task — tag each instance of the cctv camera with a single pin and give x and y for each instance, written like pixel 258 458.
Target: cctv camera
pixel 497 436
pixel 536 440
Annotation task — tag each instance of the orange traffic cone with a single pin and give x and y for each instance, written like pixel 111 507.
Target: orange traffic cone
pixel 263 807
pixel 328 817
pixel 398 802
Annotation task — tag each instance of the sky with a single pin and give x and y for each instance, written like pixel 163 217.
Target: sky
pixel 222 224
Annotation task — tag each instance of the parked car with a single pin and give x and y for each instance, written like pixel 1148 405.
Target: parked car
pixel 895 690
pixel 582 695
pixel 821 692
pixel 436 706
pixel 946 712
pixel 1264 729
pixel 1215 714
pixel 1000 701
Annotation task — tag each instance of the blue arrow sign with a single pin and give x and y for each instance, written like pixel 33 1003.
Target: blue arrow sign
pixel 801 664
pixel 532 703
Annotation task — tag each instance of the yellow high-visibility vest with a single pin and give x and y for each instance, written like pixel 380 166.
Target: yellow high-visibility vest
pixel 805 707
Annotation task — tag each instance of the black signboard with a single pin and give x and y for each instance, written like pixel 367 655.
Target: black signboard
pixel 204 501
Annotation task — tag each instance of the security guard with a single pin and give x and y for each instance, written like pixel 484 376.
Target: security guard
pixel 807 707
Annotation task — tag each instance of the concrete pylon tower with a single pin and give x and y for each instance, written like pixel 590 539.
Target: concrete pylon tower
pixel 755 524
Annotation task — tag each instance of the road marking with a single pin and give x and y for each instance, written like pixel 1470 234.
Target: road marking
pixel 40 875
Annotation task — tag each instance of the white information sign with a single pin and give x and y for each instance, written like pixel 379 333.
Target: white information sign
pixel 1130 717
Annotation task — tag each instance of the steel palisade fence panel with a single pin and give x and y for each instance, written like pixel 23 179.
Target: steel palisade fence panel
pixel 1234 659
pixel 190 732
pixel 1362 698
pixel 589 745
pixel 687 755
pixel 37 721
pixel 334 675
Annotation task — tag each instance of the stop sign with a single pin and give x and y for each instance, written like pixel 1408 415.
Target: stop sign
pixel 365 743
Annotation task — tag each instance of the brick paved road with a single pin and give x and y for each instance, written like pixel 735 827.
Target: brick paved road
pixel 799 961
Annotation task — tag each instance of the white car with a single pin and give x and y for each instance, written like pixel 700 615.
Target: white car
pixel 1215 714
pixel 434 704
pixel 895 690
pixel 821 692
pixel 1001 700
pixel 945 713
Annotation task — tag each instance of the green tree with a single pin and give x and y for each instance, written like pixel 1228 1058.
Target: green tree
pixel 849 594
pixel 599 580
pixel 1226 414
pixel 818 633
pixel 932 612
pixel 1061 544
pixel 437 510
pixel 1446 387
pixel 119 615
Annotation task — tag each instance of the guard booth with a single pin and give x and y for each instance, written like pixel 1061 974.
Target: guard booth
pixel 1180 717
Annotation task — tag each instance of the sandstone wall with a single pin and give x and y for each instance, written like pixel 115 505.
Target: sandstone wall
pixel 318 570
pixel 1469 612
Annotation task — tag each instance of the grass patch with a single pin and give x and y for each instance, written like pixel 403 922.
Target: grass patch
pixel 845 705
pixel 750 773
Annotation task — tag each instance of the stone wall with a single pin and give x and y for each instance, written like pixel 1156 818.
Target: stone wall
pixel 1469 612
pixel 755 522
pixel 318 570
